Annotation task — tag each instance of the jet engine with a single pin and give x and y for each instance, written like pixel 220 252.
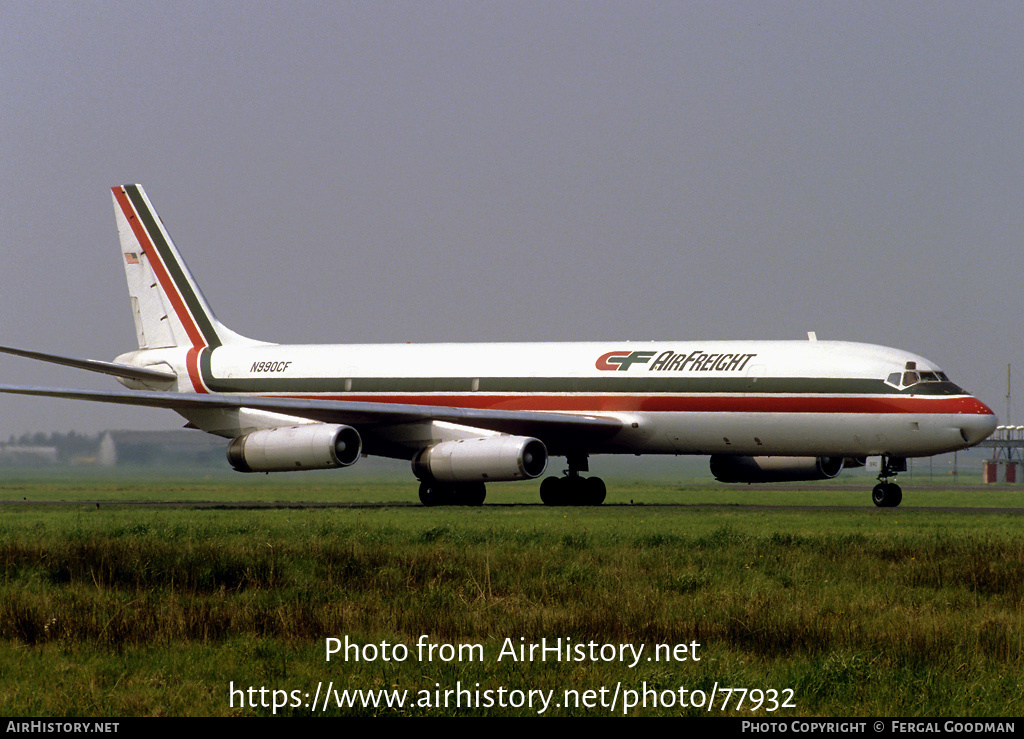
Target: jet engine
pixel 732 468
pixel 492 458
pixel 318 446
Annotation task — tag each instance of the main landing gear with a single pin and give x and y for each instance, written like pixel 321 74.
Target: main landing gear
pixel 573 489
pixel 888 494
pixel 462 493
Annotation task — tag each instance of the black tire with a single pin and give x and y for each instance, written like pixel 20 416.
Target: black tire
pixel 887 495
pixel 594 491
pixel 551 491
pixel 472 493
pixel 575 490
pixel 895 495
pixel 878 495
pixel 432 493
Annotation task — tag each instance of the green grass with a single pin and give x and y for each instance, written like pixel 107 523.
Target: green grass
pixel 142 611
pixel 333 486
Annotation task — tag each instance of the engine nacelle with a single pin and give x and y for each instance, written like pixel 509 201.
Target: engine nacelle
pixel 732 468
pixel 317 446
pixel 492 458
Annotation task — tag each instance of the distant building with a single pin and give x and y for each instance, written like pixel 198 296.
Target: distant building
pixel 160 447
pixel 21 454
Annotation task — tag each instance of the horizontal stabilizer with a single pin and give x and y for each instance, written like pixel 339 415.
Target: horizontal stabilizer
pixel 144 374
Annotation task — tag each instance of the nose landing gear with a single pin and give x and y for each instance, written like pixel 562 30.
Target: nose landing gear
pixel 888 494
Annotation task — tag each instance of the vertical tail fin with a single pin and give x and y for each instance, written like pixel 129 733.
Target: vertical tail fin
pixel 168 307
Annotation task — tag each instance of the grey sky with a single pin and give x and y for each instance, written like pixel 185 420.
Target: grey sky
pixel 361 172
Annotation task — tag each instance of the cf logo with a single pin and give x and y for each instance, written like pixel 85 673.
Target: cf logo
pixel 621 361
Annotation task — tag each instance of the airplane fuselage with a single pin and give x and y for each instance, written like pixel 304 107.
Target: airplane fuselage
pixel 794 398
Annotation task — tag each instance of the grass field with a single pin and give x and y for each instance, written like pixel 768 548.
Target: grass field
pixel 122 610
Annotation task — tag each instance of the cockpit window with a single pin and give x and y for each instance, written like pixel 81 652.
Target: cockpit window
pixel 911 377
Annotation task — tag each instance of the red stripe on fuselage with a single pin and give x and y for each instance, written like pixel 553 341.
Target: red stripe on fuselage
pixel 192 365
pixel 881 404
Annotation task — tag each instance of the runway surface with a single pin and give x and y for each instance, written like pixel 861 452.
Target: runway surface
pixel 303 505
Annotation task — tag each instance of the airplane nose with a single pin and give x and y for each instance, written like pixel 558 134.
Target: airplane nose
pixel 978 426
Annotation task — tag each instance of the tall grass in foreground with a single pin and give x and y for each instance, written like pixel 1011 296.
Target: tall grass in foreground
pixel 123 611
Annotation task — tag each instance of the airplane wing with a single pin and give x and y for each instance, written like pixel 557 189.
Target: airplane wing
pixel 558 431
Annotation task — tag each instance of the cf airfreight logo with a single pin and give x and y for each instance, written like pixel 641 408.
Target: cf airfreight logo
pixel 622 360
pixel 669 361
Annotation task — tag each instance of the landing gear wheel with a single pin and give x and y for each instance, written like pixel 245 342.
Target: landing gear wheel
pixel 594 491
pixel 573 490
pixel 887 495
pixel 432 493
pixel 472 493
pixel 877 495
pixel 551 491
pixel 895 495
pixel 469 493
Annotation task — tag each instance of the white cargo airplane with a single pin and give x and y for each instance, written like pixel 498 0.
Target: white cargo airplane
pixel 468 414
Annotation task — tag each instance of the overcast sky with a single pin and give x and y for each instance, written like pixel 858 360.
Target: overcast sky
pixel 517 171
